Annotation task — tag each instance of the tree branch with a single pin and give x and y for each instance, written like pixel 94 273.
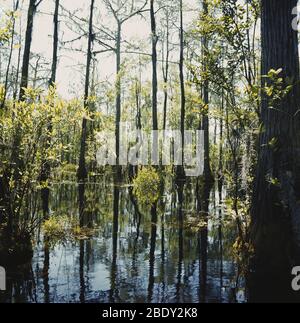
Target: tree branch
pixel 37 4
pixel 138 11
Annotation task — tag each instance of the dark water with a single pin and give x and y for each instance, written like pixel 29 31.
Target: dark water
pixel 135 255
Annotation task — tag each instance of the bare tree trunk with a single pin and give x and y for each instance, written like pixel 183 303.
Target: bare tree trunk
pixel 205 117
pixel 166 72
pixel 154 66
pixel 16 7
pixel 220 166
pixel 118 99
pixel 82 171
pixel 180 169
pixel 55 45
pixel 26 55
pixel 45 171
pixel 120 18
pixel 16 83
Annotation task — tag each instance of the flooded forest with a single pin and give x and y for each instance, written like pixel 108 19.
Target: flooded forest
pixel 149 151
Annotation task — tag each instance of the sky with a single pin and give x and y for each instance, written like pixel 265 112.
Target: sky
pixel 71 63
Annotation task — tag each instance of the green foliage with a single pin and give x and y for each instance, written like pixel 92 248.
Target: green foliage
pixel 54 227
pixel 6 27
pixel 276 88
pixel 146 186
pixel 64 228
pixel 26 142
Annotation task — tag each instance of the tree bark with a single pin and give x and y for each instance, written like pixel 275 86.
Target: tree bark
pixel 26 55
pixel 82 171
pixel 16 81
pixel 154 66
pixel 166 72
pixel 275 210
pixel 55 45
pixel 16 7
pixel 180 169
pixel 118 99
pixel 45 171
pixel 205 117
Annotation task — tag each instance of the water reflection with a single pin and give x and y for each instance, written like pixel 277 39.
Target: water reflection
pixel 46 271
pixel 152 252
pixel 114 293
pixel 81 272
pixel 180 187
pixel 135 255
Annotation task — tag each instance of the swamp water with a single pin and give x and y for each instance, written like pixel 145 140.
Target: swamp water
pixel 133 255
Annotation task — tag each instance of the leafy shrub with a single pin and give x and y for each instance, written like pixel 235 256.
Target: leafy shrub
pixel 146 186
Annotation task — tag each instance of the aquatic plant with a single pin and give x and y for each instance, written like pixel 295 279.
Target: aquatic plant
pixel 146 186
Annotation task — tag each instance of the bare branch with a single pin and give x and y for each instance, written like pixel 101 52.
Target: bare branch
pixel 106 33
pixel 102 51
pixel 114 12
pixel 105 44
pixel 73 40
pixel 37 4
pixel 146 54
pixel 138 11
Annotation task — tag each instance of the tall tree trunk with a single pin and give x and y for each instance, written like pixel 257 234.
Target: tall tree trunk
pixel 154 66
pixel 205 117
pixel 15 8
pixel 16 163
pixel 26 55
pixel 180 169
pixel 275 208
pixel 166 72
pixel 45 171
pixel 220 164
pixel 118 100
pixel 82 171
pixel 16 81
pixel 55 45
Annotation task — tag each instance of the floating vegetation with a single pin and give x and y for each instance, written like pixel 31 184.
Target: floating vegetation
pixel 65 228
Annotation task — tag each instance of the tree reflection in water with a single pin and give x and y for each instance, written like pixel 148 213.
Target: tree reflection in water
pixel 135 255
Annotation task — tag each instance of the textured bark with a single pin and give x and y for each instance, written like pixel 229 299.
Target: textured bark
pixel 276 209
